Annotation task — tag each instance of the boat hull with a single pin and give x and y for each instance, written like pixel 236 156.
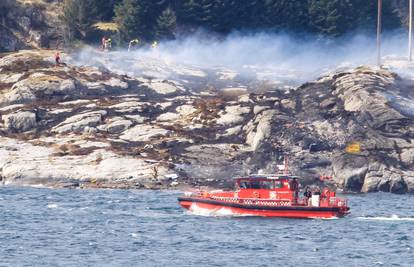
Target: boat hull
pixel 229 208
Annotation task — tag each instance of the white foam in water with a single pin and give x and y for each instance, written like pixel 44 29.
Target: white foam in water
pixel 52 206
pixel 391 218
pixel 219 212
pixel 37 185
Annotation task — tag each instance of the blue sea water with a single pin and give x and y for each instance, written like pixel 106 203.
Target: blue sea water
pixel 74 227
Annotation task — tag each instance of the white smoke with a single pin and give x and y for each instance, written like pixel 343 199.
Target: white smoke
pixel 266 56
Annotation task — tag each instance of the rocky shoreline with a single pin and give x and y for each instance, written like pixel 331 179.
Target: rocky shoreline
pixel 76 125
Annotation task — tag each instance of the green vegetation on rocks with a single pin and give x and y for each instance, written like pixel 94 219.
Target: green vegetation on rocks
pixel 78 16
pixel 150 20
pixel 128 20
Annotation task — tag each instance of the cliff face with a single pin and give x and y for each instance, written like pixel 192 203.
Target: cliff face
pixel 30 24
pixel 70 124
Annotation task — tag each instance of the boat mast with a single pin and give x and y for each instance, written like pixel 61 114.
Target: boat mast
pixel 286 168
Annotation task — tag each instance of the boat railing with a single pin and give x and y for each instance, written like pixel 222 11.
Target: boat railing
pixel 338 202
pixel 333 202
pixel 324 202
pixel 253 198
pixel 250 201
pixel 301 201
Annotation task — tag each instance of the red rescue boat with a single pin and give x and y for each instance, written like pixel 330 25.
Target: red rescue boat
pixel 274 195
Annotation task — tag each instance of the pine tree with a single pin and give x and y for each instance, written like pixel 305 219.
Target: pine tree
pixel 167 24
pixel 78 16
pixel 331 17
pixel 127 16
pixel 148 19
pixel 366 15
pixel 285 15
pixel 191 12
pixel 105 8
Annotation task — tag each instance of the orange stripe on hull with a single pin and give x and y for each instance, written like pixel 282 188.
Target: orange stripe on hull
pixel 228 210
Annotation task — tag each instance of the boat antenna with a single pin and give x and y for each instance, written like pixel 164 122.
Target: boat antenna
pixel 286 168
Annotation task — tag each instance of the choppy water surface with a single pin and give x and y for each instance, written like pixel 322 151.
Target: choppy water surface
pixel 57 227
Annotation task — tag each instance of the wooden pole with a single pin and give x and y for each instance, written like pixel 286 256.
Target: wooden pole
pixel 379 33
pixel 410 32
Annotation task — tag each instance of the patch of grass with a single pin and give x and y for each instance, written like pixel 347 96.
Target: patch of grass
pixel 72 150
pixel 106 26
pixel 207 109
pixel 38 142
pixel 24 136
pixel 232 95
pixel 39 4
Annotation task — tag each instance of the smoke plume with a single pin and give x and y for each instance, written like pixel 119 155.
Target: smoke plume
pixel 267 56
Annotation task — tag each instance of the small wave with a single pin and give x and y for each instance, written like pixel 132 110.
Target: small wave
pixel 383 218
pixel 219 212
pixel 52 206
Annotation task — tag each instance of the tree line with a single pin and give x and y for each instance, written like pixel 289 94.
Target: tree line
pixel 164 19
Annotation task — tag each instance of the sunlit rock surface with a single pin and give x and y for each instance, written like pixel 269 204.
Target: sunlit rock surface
pixel 84 125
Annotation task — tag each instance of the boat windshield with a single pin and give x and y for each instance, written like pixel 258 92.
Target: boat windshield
pixel 266 184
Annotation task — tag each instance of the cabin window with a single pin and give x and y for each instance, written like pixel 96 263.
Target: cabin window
pixel 266 184
pixel 244 184
pixel 255 184
pixel 278 184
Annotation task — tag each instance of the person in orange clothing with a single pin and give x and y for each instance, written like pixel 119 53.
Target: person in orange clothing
pixel 57 58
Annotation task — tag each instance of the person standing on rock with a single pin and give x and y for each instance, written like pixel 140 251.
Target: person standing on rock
pixel 57 58
pixel 108 44
pixel 133 44
pixel 103 43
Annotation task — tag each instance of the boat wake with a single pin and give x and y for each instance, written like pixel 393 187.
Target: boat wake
pixel 391 218
pixel 219 212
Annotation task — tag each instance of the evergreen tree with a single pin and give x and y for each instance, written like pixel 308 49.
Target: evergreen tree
pixel 286 15
pixel 331 17
pixel 127 16
pixel 78 16
pixel 366 15
pixel 167 24
pixel 150 10
pixel 191 12
pixel 105 8
pixel 147 19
